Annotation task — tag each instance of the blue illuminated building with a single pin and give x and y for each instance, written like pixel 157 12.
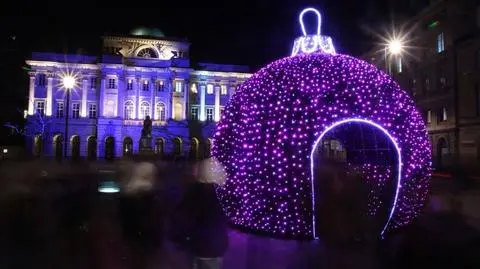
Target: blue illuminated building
pixel 139 75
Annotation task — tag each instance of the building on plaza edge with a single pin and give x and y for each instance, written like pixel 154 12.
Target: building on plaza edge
pixel 139 75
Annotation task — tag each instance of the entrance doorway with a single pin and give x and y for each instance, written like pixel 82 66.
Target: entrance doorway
pixel 92 148
pixel 355 169
pixel 75 146
pixel 58 147
pixel 127 146
pixel 109 148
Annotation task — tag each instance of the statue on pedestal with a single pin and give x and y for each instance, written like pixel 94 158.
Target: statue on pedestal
pixel 146 139
pixel 147 127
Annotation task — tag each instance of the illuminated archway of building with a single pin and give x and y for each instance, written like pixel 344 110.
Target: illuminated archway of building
pixel 177 146
pixel 38 145
pixel 91 148
pixel 75 147
pixel 58 146
pixel 194 146
pixel 360 162
pixel 159 147
pixel 127 146
pixel 109 148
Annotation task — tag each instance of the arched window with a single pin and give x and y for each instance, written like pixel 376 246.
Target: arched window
pixel 147 53
pixel 129 110
pixel 144 110
pixel 160 112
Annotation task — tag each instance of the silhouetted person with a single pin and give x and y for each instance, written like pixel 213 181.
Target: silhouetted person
pixel 205 234
pixel 141 213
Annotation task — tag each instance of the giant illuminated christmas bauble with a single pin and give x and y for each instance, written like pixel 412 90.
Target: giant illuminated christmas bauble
pixel 268 134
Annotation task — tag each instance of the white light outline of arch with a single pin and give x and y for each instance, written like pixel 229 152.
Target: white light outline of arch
pixel 147 46
pixel 336 124
pixel 319 16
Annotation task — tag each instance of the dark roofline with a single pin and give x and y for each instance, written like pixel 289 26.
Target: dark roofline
pixel 64 58
pixel 222 67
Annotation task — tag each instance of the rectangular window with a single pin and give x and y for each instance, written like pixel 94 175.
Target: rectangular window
pixel 130 85
pixel 194 88
pixel 160 85
pixel 209 89
pixel 40 107
pixel 41 80
pixel 93 83
pixel 443 82
pixel 209 114
pixel 92 111
pixel 146 85
pixel 178 86
pixel 442 114
pixel 440 42
pixel 194 113
pixel 60 110
pixel 427 84
pixel 399 65
pixel 112 83
pixel 223 90
pixel 75 110
pixel 429 116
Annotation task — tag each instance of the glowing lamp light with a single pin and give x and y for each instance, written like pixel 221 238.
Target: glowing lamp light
pixel 108 187
pixel 5 151
pixel 395 47
pixel 68 82
pixel 265 138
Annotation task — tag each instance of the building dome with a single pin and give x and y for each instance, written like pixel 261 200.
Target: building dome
pixel 146 31
pixel 276 123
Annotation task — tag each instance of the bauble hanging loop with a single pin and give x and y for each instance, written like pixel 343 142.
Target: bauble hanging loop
pixel 307 44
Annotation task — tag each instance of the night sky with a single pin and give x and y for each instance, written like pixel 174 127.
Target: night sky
pixel 233 32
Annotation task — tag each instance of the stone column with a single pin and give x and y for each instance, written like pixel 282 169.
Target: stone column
pixel 217 103
pixel 185 98
pixel 84 97
pixel 31 94
pixel 151 86
pixel 136 113
pixel 102 104
pixel 172 102
pixel 202 101
pixel 49 94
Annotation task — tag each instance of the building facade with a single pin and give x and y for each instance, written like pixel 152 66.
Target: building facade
pixel 440 67
pixel 143 74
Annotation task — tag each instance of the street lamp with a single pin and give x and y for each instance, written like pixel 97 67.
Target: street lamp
pixel 393 48
pixel 68 83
